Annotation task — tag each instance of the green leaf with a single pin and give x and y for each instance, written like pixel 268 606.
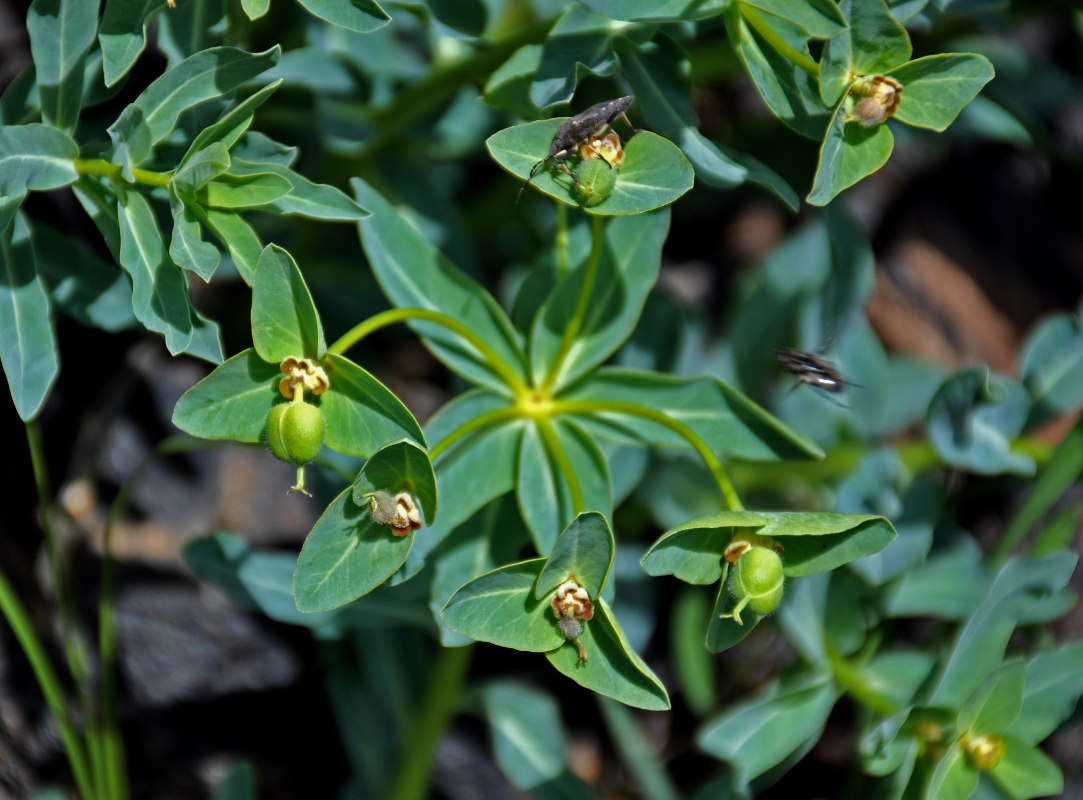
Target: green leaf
pixel 254 9
pixel 553 453
pixel 760 732
pixel 199 78
pixel 239 238
pixel 655 172
pixel 812 541
pixel 724 631
pixel 474 470
pixel 200 168
pixel 399 467
pixel 465 16
pixel 85 287
pixel 659 75
pixel 159 288
pixel 692 555
pixel 820 18
pixel 936 88
pixel 61 33
pixel 28 349
pixel 499 607
pixel 123 34
pixel 612 668
pixel 362 414
pixel 232 124
pixel 978 646
pixel 345 556
pixel 1052 689
pixel 897 676
pixel 583 552
pixel 726 420
pixel 186 247
pixel 952 778
pixel 849 153
pixel 657 10
pixel 997 701
pixel 790 92
pixel 973 418
pixel 414 274
pixel 35 158
pixel 304 198
pixel 1026 772
pixel 508 86
pixel 284 317
pixel 1052 366
pixel 626 274
pixel 949 585
pixel 360 16
pixel 232 402
pixel 523 724
pixel 244 191
pixel 580 42
pixel 877 41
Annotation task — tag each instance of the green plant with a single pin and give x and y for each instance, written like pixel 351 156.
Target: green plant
pixel 570 402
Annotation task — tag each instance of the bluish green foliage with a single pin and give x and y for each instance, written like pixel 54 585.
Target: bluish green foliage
pixel 584 413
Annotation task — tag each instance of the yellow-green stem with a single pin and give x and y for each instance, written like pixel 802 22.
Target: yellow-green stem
pixel 753 18
pixel 721 477
pixel 103 169
pixel 575 324
pixel 477 423
pixel 552 444
pixel 853 681
pixel 561 239
pixel 447 677
pixel 394 315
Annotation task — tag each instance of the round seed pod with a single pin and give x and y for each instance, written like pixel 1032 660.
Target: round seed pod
pixel 295 432
pixel 595 180
pixel 757 581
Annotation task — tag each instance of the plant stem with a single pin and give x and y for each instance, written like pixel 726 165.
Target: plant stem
pixel 394 315
pixel 47 679
pixel 103 169
pixel 757 23
pixel 442 696
pixel 552 444
pixel 477 423
pixel 575 324
pixel 851 679
pixel 561 239
pixel 722 478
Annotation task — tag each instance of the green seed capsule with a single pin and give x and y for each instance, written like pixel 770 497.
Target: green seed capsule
pixel 594 181
pixel 295 432
pixel 757 582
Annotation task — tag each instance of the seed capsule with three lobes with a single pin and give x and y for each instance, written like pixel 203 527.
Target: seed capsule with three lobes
pixel 594 121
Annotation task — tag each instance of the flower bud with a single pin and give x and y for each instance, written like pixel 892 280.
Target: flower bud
pixel 295 432
pixel 984 752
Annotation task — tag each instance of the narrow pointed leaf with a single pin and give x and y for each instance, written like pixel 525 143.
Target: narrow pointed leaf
pixel 613 668
pixel 877 41
pixel 200 168
pixel 345 556
pixel 123 34
pixel 546 464
pixel 35 158
pixel 523 723
pixel 500 607
pixel 360 16
pixel 240 238
pixel 244 191
pixel 399 467
pixel 821 18
pixel 1027 772
pixel 61 33
pixel 414 274
pixel 304 198
pixel 200 77
pixel 726 420
pixel 28 349
pixel 232 124
pixel 657 10
pixel 997 701
pixel 186 247
pixel 284 317
pixel 627 272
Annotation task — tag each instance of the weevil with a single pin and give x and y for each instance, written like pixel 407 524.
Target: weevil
pixel 579 129
pixel 814 370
